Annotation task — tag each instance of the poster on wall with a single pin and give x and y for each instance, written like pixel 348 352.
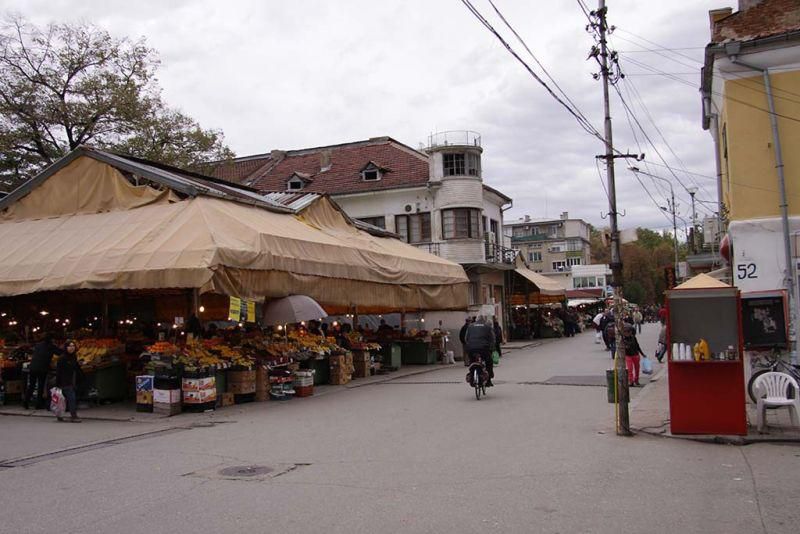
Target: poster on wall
pixel 764 320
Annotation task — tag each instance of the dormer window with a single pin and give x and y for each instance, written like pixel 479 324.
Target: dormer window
pixel 298 181
pixel 372 172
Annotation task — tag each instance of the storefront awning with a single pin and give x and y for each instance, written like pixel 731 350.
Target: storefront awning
pixel 544 284
pixel 89 226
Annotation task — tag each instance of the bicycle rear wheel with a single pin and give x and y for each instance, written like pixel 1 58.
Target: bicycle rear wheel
pixel 477 381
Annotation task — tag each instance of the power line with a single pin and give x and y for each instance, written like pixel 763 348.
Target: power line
pixel 582 121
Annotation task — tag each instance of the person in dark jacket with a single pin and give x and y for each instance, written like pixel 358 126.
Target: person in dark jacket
pixel 68 375
pixel 498 336
pixel 462 336
pixel 43 353
pixel 479 339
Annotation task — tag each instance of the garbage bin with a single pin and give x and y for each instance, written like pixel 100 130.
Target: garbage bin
pixel 610 385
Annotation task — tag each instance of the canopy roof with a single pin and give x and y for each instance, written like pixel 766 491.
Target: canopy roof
pixel 702 281
pixel 100 221
pixel 545 285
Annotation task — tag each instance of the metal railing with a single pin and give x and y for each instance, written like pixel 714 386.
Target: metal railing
pixel 496 253
pixel 454 138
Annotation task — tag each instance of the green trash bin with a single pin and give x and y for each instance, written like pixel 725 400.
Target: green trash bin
pixel 610 386
pixel 417 353
pixel 391 355
pixel 110 383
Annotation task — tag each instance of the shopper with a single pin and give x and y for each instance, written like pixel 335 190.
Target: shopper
pixel 610 337
pixel 632 353
pixel 661 350
pixel 43 353
pixel 462 336
pixel 637 320
pixel 498 336
pixel 68 377
pixel 608 318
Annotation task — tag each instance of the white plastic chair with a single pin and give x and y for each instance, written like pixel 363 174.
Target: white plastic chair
pixel 772 390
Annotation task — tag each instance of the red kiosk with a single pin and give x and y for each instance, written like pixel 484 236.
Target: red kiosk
pixel 706 392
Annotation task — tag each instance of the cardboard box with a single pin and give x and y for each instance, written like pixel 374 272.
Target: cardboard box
pixel 199 384
pixel 199 397
pixel 241 388
pixel 226 399
pixel 167 396
pixel 303 391
pixel 144 397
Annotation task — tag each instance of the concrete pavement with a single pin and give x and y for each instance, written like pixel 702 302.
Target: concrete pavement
pixel 416 454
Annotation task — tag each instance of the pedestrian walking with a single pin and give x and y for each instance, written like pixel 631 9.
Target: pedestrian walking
pixel 462 337
pixel 608 318
pixel 598 334
pixel 661 349
pixel 637 320
pixel 43 353
pixel 498 336
pixel 632 353
pixel 68 377
pixel 610 337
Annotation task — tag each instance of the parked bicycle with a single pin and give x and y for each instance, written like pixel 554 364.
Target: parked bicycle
pixel 771 362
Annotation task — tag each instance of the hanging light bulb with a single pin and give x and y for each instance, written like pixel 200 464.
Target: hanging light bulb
pixel 280 327
pixel 201 309
pixel 44 312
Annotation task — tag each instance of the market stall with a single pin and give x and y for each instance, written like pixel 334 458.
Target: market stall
pixel 706 376
pixel 530 295
pixel 130 254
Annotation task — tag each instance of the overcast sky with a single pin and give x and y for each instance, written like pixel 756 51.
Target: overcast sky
pixel 303 73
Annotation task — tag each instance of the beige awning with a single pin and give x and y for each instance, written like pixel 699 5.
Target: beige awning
pixel 702 281
pixel 134 238
pixel 545 285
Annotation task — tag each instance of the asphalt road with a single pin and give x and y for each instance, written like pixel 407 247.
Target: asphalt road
pixel 413 455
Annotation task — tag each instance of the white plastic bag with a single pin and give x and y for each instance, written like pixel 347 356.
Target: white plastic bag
pixel 598 337
pixel 58 404
pixel 647 366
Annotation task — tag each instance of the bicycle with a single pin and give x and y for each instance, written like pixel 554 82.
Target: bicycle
pixel 771 363
pixel 477 375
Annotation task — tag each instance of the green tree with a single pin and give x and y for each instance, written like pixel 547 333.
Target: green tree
pixel 66 85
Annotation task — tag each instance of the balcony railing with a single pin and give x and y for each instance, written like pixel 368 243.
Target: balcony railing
pixel 499 254
pixel 454 138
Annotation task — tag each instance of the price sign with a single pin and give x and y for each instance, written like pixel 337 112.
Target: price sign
pixel 251 311
pixel 235 309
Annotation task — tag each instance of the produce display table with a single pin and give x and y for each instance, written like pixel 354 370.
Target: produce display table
pixel 416 352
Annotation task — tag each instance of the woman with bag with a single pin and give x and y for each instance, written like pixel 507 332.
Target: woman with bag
pixel 68 375
pixel 632 352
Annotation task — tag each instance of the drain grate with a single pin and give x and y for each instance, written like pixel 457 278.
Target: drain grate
pixel 246 471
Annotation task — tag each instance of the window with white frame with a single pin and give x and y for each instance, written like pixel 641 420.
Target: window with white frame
pixel 295 184
pixel 537 256
pixel 574 261
pixel 414 228
pixel 460 164
pixel 559 265
pixel 459 223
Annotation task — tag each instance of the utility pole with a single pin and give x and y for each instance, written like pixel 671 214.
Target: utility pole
pixel 692 192
pixel 622 394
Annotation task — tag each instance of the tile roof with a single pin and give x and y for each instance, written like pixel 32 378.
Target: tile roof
pixel 238 169
pixel 765 19
pixel 402 167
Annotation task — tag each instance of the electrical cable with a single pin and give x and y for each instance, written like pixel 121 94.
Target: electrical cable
pixel 582 121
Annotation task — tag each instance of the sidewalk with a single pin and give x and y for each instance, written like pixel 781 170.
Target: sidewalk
pixel 649 413
pixel 126 411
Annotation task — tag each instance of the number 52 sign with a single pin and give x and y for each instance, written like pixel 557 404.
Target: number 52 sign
pixel 746 270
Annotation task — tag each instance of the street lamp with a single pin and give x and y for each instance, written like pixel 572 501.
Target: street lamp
pixel 671 210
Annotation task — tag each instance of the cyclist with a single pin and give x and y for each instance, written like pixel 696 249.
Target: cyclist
pixel 479 339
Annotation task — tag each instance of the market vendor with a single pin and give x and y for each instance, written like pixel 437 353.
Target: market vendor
pixel 314 328
pixel 43 353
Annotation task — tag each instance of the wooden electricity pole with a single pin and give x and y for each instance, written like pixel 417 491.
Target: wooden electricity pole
pixel 623 421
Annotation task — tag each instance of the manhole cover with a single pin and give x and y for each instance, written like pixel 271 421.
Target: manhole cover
pixel 245 471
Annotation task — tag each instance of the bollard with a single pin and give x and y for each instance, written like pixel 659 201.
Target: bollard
pixel 610 385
